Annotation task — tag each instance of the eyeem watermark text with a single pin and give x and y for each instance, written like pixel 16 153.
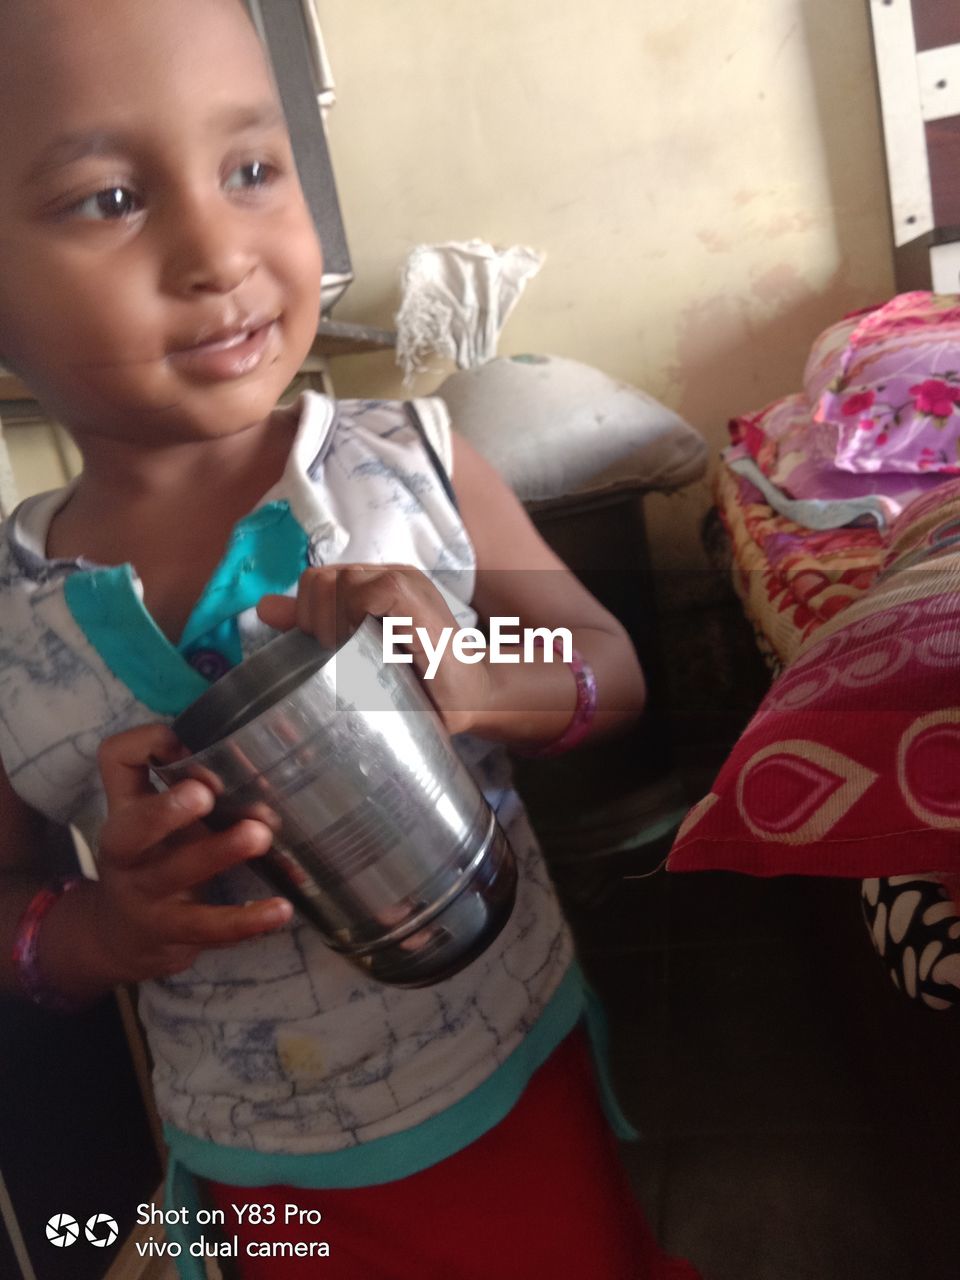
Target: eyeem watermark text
pixel 504 643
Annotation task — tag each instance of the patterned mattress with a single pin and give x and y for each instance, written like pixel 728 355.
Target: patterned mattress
pixel 790 579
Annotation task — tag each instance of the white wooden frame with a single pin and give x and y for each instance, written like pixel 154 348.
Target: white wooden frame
pixel 911 199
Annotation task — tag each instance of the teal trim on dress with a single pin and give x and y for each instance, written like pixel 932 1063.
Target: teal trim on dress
pixel 599 1033
pixel 180 1189
pixel 108 610
pixel 267 552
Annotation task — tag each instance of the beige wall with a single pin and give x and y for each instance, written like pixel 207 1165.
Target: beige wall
pixel 706 180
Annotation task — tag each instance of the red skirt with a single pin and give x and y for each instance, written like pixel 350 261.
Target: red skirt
pixel 542 1195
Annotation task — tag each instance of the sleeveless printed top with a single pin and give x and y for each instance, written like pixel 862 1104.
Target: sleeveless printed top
pixel 276 1045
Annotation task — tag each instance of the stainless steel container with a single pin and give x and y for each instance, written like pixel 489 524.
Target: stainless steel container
pixel 383 839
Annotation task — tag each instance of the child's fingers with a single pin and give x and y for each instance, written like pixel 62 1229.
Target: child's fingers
pixel 199 925
pixel 171 943
pixel 322 596
pixel 125 761
pixel 332 602
pixel 137 826
pixel 279 612
pixel 401 592
pixel 196 861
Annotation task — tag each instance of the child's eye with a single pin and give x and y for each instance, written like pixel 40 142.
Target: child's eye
pixel 257 173
pixel 109 204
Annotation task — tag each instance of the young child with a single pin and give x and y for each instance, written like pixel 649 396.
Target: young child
pixel 159 289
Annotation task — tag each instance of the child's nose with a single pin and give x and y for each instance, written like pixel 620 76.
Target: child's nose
pixel 211 248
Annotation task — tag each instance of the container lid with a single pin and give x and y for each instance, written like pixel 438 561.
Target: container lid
pixel 245 691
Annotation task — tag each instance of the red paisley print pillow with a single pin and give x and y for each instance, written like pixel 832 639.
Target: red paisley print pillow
pixel 851 766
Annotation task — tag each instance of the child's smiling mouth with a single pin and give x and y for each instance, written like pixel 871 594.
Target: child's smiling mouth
pixel 229 352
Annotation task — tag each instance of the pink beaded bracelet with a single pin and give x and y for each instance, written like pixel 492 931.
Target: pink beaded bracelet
pixel 25 961
pixel 583 712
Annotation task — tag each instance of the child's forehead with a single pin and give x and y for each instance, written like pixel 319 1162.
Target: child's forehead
pixel 45 24
pixel 108 55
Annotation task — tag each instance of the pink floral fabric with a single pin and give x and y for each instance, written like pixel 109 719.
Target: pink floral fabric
pixel 888 384
pixel 798 455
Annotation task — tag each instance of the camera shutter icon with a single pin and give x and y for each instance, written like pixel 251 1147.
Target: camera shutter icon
pixel 101 1230
pixel 63 1230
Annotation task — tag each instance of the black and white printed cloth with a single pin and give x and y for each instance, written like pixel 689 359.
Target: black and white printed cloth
pixel 915 927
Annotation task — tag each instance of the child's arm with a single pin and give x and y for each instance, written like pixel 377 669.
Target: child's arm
pixel 518 576
pixel 141 918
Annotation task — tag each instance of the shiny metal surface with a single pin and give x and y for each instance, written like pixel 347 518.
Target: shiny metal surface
pixel 382 838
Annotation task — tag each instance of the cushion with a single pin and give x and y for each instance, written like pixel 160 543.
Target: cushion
pixel 851 765
pixel 798 455
pixel 553 426
pixel 889 382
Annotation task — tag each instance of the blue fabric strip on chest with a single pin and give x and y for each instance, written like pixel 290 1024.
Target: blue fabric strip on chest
pixel 267 552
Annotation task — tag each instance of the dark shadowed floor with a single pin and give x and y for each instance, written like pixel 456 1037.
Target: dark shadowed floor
pixel 800 1118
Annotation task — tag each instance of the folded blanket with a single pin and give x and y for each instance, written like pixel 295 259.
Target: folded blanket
pixel 790 579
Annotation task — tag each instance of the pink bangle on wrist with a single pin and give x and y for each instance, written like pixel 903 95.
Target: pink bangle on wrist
pixel 26 965
pixel 583 712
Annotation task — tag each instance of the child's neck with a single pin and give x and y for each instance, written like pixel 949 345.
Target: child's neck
pixel 168 512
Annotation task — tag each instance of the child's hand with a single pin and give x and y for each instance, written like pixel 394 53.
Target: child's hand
pixel 331 603
pixel 154 853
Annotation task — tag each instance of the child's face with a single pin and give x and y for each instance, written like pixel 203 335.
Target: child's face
pixel 159 268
